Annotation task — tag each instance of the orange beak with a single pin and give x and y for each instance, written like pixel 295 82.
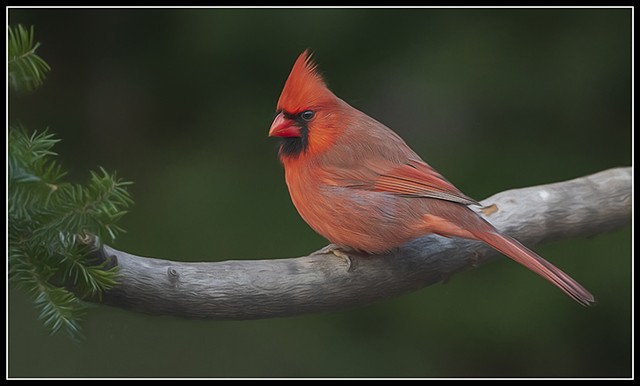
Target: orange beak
pixel 283 127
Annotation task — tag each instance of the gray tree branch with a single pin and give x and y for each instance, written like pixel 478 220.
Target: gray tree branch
pixel 253 289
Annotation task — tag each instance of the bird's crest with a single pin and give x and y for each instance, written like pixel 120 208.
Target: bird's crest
pixel 305 88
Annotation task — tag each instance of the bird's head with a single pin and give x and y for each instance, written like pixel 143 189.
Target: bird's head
pixel 307 114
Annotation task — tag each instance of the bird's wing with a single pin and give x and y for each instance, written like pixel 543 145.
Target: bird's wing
pixel 412 178
pixel 417 179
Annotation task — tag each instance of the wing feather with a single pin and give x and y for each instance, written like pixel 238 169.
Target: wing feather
pixel 417 179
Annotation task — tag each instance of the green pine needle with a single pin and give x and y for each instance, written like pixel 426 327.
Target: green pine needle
pixel 60 309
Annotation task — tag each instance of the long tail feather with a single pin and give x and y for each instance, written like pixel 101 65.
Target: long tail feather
pixel 523 255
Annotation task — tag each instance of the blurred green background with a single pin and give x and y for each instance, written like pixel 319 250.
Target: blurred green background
pixel 180 101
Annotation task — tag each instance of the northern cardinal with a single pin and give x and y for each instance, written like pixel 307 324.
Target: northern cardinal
pixel 358 184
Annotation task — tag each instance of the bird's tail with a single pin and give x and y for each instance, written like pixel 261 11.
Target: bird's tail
pixel 523 255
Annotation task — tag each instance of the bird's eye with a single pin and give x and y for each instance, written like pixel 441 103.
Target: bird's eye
pixel 307 115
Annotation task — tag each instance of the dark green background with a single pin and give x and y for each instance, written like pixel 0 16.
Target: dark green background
pixel 180 101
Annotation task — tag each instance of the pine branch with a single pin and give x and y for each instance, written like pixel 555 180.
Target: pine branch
pixel 58 307
pixel 27 70
pixel 49 223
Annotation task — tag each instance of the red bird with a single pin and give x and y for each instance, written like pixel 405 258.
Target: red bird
pixel 358 184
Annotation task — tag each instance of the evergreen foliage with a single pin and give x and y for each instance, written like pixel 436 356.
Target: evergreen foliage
pixel 26 69
pixel 54 225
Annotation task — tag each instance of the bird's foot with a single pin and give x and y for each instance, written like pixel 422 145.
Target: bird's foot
pixel 340 252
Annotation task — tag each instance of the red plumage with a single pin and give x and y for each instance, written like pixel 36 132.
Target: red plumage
pixel 357 183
